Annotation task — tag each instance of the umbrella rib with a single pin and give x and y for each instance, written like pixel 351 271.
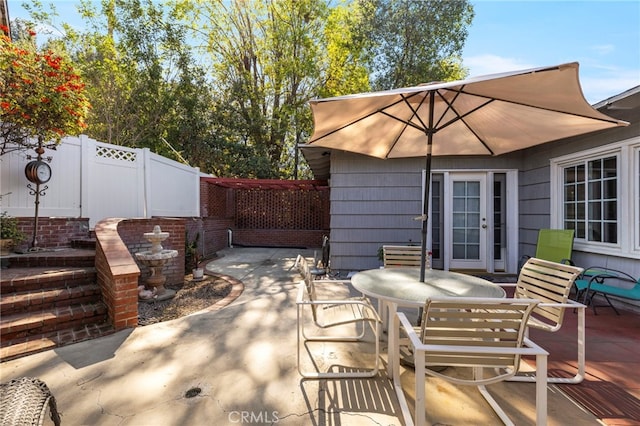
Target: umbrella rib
pixel 413 110
pixel 406 122
pixel 351 123
pixel 459 117
pixel 449 106
pixel 377 111
pixel 491 99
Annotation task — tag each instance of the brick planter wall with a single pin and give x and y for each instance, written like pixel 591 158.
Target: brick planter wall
pixel 131 232
pixel 213 234
pixel 118 274
pixel 279 237
pixel 53 232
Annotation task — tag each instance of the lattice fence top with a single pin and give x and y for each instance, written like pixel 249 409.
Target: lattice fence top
pixel 116 154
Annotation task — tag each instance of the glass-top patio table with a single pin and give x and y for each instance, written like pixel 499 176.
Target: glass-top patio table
pixel 395 287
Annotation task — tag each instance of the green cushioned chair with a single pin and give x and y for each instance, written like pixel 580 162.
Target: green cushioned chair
pixel 555 245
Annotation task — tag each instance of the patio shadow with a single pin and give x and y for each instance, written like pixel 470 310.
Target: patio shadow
pixel 351 401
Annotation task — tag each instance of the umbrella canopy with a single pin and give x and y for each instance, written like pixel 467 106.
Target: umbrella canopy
pixel 487 115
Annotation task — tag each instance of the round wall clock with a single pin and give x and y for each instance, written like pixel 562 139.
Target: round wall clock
pixel 38 171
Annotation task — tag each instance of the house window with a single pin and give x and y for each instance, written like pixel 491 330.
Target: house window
pixel 595 193
pixel 590 199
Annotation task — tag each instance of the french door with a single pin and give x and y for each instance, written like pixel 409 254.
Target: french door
pixel 468 226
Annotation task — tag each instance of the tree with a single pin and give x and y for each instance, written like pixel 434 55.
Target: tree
pixel 225 83
pixel 265 56
pixel 346 48
pixel 137 64
pixel 415 42
pixel 42 96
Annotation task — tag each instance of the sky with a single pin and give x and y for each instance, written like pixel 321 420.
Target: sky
pixel 507 35
pixel 602 36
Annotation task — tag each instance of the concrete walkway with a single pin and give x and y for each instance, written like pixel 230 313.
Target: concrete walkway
pixel 243 360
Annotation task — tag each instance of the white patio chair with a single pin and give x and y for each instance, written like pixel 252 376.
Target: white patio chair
pixel 401 257
pixel 331 314
pixel 478 334
pixel 551 282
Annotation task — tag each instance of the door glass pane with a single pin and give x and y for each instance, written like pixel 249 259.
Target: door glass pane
pixel 459 236
pixel 473 251
pixel 473 204
pixel 473 220
pixel 473 189
pixel 459 251
pixel 458 220
pixel 466 220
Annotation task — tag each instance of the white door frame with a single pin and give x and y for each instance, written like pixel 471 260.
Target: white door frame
pixel 509 264
pixel 483 228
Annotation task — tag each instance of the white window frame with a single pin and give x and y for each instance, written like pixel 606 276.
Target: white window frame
pixel 627 153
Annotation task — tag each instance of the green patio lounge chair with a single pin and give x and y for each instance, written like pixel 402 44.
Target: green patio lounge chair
pixel 554 245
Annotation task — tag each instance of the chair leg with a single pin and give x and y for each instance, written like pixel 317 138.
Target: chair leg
pixel 541 395
pixel 541 390
pixel 611 304
pixel 301 339
pixel 579 377
pixel 589 300
pixel 394 371
pixel 420 403
pixel 494 405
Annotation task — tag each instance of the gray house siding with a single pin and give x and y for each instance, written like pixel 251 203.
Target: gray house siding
pixel 374 202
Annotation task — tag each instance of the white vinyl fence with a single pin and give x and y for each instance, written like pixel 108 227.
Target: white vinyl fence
pixel 98 180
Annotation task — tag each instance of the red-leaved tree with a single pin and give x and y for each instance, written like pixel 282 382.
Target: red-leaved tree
pixel 42 96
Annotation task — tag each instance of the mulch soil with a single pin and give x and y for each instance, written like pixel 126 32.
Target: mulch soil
pixel 191 296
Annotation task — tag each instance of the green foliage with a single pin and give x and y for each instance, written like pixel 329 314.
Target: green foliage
pixel 9 228
pixel 137 65
pixel 42 95
pixel 416 42
pixel 226 84
pixel 346 49
pixel 265 56
pixel 191 252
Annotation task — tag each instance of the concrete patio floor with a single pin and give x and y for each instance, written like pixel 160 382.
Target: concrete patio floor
pixel 243 360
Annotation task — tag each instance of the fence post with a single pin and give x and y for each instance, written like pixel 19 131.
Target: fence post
pixel 196 190
pixel 145 180
pixel 87 157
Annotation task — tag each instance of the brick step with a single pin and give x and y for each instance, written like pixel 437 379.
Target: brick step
pixel 56 258
pixel 38 343
pixel 36 300
pixel 20 327
pixel 22 280
pixel 84 243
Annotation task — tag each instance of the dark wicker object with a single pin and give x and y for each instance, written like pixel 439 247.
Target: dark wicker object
pixel 24 401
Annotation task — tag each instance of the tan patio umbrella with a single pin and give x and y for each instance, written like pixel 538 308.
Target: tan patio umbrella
pixel 487 115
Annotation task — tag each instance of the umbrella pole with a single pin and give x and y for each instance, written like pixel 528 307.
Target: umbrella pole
pixel 427 184
pixel 425 212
